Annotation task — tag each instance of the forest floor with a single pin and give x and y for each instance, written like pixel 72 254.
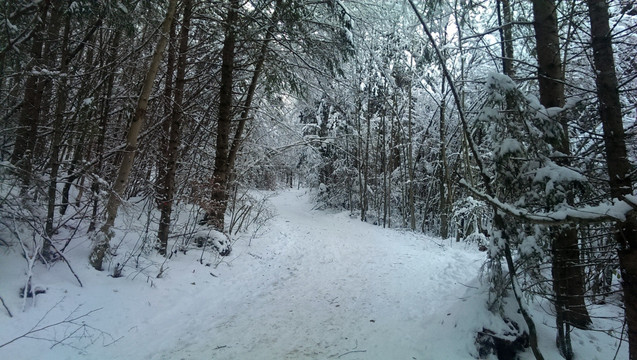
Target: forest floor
pixel 314 285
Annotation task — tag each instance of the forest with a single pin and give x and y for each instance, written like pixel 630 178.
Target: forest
pixel 504 126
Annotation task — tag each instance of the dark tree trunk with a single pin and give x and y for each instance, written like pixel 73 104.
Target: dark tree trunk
pixel 411 202
pixel 568 275
pixel 442 176
pixel 368 139
pixel 616 160
pixel 54 161
pixel 166 121
pixel 258 69
pixel 221 173
pixel 24 147
pixel 508 38
pixel 547 38
pixel 101 138
pixel 227 150
pixel 168 187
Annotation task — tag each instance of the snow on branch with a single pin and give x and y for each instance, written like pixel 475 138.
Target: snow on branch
pixel 618 210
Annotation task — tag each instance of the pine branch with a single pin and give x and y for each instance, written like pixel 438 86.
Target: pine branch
pixel 618 211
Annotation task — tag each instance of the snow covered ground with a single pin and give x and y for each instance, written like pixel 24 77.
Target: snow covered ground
pixel 315 285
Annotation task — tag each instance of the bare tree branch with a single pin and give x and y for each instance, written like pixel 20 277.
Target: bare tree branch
pixel 5 307
pixel 35 329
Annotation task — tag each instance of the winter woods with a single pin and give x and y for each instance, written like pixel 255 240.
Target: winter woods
pixel 507 125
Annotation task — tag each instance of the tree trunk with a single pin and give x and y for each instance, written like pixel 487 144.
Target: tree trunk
pixel 175 134
pixel 568 275
pixel 410 160
pixel 26 132
pixel 258 68
pixel 102 238
pixel 498 221
pixel 359 151
pixel 443 175
pixel 365 194
pixel 168 111
pixel 220 175
pixel 547 38
pixel 101 138
pixel 616 160
pixel 383 167
pixel 506 37
pixel 79 151
pixel 54 159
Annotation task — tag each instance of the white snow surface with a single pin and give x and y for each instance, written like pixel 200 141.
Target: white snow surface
pixel 316 285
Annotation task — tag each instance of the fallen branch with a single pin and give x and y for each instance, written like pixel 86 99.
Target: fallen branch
pixel 5 307
pixel 352 351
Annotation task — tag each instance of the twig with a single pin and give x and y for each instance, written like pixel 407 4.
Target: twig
pixel 34 330
pixel 469 286
pixel 114 341
pixel 352 351
pixel 66 261
pixel 621 338
pixel 4 242
pixel 5 307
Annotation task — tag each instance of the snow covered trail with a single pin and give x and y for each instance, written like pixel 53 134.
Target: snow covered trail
pixel 316 285
pixel 328 285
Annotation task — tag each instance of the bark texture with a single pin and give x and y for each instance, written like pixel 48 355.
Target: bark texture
pixel 221 173
pixel 568 275
pixel 616 160
pixel 174 138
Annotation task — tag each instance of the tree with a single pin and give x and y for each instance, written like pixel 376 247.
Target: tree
pixel 102 238
pixel 221 174
pixel 24 147
pixel 617 163
pixel 286 22
pixel 500 236
pixel 568 275
pixel 167 187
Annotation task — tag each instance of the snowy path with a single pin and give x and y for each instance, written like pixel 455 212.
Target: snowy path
pixel 327 285
pixel 317 285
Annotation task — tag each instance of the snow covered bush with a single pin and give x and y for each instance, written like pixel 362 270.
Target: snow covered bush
pixel 249 211
pixel 219 241
pixel 470 218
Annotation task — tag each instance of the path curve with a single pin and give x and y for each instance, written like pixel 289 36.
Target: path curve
pixel 330 286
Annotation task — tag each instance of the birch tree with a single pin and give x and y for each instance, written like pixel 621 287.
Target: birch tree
pixel 103 236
